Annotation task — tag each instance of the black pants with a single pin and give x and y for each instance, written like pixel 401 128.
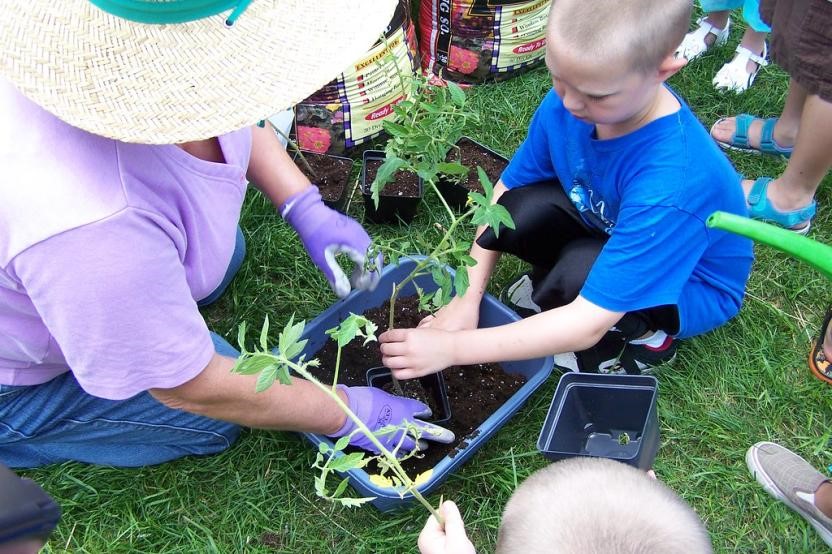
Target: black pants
pixel 551 235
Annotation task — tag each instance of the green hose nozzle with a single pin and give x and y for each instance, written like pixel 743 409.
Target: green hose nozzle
pixel 797 246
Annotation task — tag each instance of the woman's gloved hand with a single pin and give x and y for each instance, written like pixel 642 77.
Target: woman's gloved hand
pixel 378 409
pixel 325 233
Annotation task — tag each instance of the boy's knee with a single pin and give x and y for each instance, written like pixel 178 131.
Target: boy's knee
pixel 533 209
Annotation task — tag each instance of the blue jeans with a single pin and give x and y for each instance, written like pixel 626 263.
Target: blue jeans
pixel 57 421
pixel 750 11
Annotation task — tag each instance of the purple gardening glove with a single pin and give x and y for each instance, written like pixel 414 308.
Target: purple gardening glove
pixel 379 409
pixel 326 233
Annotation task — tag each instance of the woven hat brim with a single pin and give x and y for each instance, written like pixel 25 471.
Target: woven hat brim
pixel 166 84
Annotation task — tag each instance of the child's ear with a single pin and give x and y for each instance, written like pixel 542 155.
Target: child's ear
pixel 669 66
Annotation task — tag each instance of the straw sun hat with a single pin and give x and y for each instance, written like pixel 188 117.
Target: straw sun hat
pixel 171 71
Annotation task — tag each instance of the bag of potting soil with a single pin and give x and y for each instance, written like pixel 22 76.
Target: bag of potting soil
pixel 350 109
pixel 472 41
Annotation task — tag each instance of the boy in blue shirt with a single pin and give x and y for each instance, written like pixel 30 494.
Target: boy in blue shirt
pixel 609 193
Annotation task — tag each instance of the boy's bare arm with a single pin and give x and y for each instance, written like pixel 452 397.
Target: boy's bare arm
pixel 577 326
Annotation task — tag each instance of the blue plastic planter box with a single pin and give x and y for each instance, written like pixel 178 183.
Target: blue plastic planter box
pixel 492 313
pixel 606 416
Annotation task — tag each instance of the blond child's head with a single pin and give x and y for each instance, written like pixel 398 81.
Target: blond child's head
pixel 609 57
pixel 593 505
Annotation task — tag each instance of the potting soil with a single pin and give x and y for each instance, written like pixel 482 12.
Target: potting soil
pixel 475 392
pixel 404 183
pixel 472 41
pixel 330 174
pixel 471 155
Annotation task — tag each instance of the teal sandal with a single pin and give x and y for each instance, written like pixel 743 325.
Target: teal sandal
pixel 760 208
pixel 739 140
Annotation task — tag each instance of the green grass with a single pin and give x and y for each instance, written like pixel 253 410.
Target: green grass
pixel 745 382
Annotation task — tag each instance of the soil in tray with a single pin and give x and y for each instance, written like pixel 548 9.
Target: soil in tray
pixel 474 392
pixel 404 183
pixel 330 174
pixel 474 155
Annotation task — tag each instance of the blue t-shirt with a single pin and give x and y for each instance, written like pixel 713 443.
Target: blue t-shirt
pixel 651 191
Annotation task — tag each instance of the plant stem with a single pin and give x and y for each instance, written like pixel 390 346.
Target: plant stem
pixel 337 368
pixel 297 150
pixel 391 458
pixel 391 325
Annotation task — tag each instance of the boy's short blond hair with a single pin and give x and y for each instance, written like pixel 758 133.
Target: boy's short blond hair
pixel 594 505
pixel 640 32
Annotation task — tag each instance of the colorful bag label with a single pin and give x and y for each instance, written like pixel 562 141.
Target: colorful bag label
pixel 471 41
pixel 350 110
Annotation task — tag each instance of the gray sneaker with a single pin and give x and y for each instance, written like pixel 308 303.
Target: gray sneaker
pixel 518 296
pixel 790 479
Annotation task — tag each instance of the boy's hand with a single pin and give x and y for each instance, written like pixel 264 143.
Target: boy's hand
pixel 451 540
pixel 458 314
pixel 411 353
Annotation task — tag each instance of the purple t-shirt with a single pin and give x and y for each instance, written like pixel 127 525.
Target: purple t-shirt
pixel 105 247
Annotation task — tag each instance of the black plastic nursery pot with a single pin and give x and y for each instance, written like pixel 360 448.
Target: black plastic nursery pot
pixel 455 191
pixel 433 385
pixel 332 176
pixel 492 313
pixel 391 207
pixel 606 416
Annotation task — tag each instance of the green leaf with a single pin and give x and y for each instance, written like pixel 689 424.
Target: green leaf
pixel 395 129
pixel 457 94
pixel 264 334
pixel 283 376
pixel 320 485
pixel 461 281
pixel 385 173
pixel 266 378
pixel 339 490
pixel 241 337
pixel 355 502
pixel 452 168
pixel 341 443
pixel 254 363
pixel 486 183
pixel 348 461
pixel 288 340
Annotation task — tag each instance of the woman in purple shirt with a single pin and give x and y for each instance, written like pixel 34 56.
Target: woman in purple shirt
pixel 127 151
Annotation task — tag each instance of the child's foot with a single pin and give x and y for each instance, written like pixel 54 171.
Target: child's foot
pixel 638 356
pixel 791 480
pixel 773 201
pixel 518 296
pixel 753 134
pixel 701 39
pixel 820 356
pixel 739 74
pixel 644 354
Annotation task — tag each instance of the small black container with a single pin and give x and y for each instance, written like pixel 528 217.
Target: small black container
pixel 390 209
pixel 337 203
pixel 434 385
pixel 606 416
pixel 454 193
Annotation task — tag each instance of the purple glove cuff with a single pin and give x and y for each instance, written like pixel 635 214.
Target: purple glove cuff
pixel 299 203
